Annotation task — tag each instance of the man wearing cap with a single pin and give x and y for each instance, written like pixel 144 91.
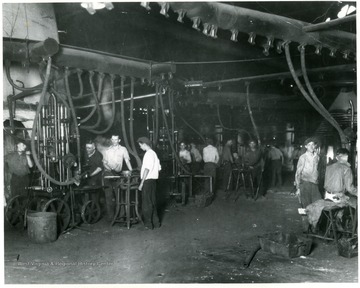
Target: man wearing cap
pixel 113 159
pixel 306 176
pixel 149 173
pixel 276 160
pixel 253 160
pixel 339 178
pixel 18 164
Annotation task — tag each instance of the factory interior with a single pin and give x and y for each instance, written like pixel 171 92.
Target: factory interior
pixel 218 82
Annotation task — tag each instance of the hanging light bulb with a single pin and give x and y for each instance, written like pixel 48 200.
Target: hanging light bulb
pixel 213 31
pixel 206 29
pixel 181 15
pixel 234 35
pixel 332 52
pixel 109 6
pixel 346 54
pixel 196 23
pixel 318 49
pixel 279 47
pixel 89 7
pixel 164 9
pixel 142 81
pixel 146 5
pixel 170 75
pixel 162 75
pixel 270 41
pixel 266 49
pixel 252 37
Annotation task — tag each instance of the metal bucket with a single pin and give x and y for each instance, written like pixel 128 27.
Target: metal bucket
pixel 42 226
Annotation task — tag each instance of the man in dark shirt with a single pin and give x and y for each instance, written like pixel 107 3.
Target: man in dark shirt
pixel 228 160
pixel 18 164
pixel 339 178
pixel 93 164
pixel 253 160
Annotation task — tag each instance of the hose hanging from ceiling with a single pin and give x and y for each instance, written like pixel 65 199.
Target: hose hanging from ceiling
pixel 8 76
pixel 97 106
pixel 172 145
pixel 33 131
pixel 123 127
pixel 328 117
pixel 156 128
pixel 76 125
pixel 192 128
pixel 98 98
pixel 226 128
pixel 138 160
pixel 300 86
pixel 112 77
pixel 80 95
pixel 247 84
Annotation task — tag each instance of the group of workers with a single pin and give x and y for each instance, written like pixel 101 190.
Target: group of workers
pixel 338 180
pixel 338 176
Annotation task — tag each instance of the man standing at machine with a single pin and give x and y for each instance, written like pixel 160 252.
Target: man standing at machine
pixel 113 162
pixel 211 160
pixel 93 164
pixel 18 164
pixel 149 174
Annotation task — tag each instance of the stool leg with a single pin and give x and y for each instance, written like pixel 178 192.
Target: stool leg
pixel 334 230
pixel 229 181
pixel 117 203
pixel 127 206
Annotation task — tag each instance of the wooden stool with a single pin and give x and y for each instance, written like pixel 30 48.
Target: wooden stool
pixel 124 203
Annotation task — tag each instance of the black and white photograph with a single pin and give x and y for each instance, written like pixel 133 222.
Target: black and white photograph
pixel 179 143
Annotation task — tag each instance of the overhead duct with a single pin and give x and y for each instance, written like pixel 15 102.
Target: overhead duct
pixel 232 18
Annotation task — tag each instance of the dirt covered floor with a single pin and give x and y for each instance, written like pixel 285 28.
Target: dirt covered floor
pixel 193 245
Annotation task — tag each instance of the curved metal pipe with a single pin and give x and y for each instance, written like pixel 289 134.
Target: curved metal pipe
pixel 112 77
pixel 98 98
pixel 324 113
pixel 8 76
pixel 80 95
pixel 97 106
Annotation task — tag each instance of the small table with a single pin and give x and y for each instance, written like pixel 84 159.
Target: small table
pixel 180 179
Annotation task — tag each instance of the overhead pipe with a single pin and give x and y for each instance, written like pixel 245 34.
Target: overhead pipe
pixel 34 52
pixel 229 17
pixel 93 60
pixel 329 24
pixel 279 76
